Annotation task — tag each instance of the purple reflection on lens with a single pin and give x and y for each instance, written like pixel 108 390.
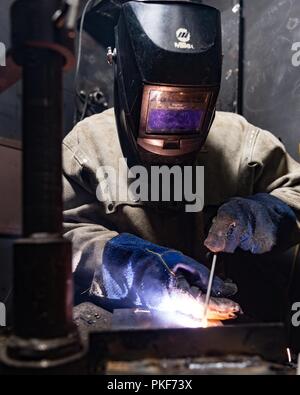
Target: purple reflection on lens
pixel 174 120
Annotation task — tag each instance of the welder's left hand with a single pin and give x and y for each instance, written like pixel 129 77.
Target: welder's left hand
pixel 254 224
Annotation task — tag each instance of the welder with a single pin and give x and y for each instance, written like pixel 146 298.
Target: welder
pixel 167 64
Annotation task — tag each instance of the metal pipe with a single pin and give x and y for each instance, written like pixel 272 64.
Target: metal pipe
pixel 44 336
pixel 43 294
pixel 42 137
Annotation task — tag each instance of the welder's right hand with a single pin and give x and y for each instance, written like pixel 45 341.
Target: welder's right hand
pixel 141 273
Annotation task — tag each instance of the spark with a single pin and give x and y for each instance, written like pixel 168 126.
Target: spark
pixel 236 8
pixel 289 355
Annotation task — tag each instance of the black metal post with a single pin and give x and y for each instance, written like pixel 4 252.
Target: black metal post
pixel 42 137
pixel 42 264
pixel 44 336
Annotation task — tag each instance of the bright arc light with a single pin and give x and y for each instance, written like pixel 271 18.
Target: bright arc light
pixel 182 309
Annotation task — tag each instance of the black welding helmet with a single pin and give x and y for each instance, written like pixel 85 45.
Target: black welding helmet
pixel 168 63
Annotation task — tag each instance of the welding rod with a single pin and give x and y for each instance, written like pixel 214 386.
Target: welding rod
pixel 208 293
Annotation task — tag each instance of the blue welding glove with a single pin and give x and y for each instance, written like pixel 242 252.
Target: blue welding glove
pixel 142 273
pixel 255 224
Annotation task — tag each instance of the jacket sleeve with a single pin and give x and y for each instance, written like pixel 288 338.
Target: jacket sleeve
pixel 85 223
pixel 277 173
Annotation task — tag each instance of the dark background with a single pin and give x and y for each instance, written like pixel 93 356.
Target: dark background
pixel 269 90
pixel 271 82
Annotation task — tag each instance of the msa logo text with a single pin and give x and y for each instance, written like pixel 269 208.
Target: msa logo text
pixel 296 315
pixel 2 54
pixel 296 56
pixel 2 314
pixel 183 36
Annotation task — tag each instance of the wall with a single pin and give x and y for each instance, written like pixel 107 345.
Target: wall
pixel 272 76
pixel 10 101
pixel 271 97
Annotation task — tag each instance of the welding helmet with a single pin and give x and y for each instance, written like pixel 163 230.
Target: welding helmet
pixel 168 64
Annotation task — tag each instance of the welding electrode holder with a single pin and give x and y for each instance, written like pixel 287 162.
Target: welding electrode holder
pixel 45 339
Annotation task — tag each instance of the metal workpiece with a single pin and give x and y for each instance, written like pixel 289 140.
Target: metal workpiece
pixel 138 341
pixel 141 342
pixel 91 318
pixel 137 335
pixel 227 365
